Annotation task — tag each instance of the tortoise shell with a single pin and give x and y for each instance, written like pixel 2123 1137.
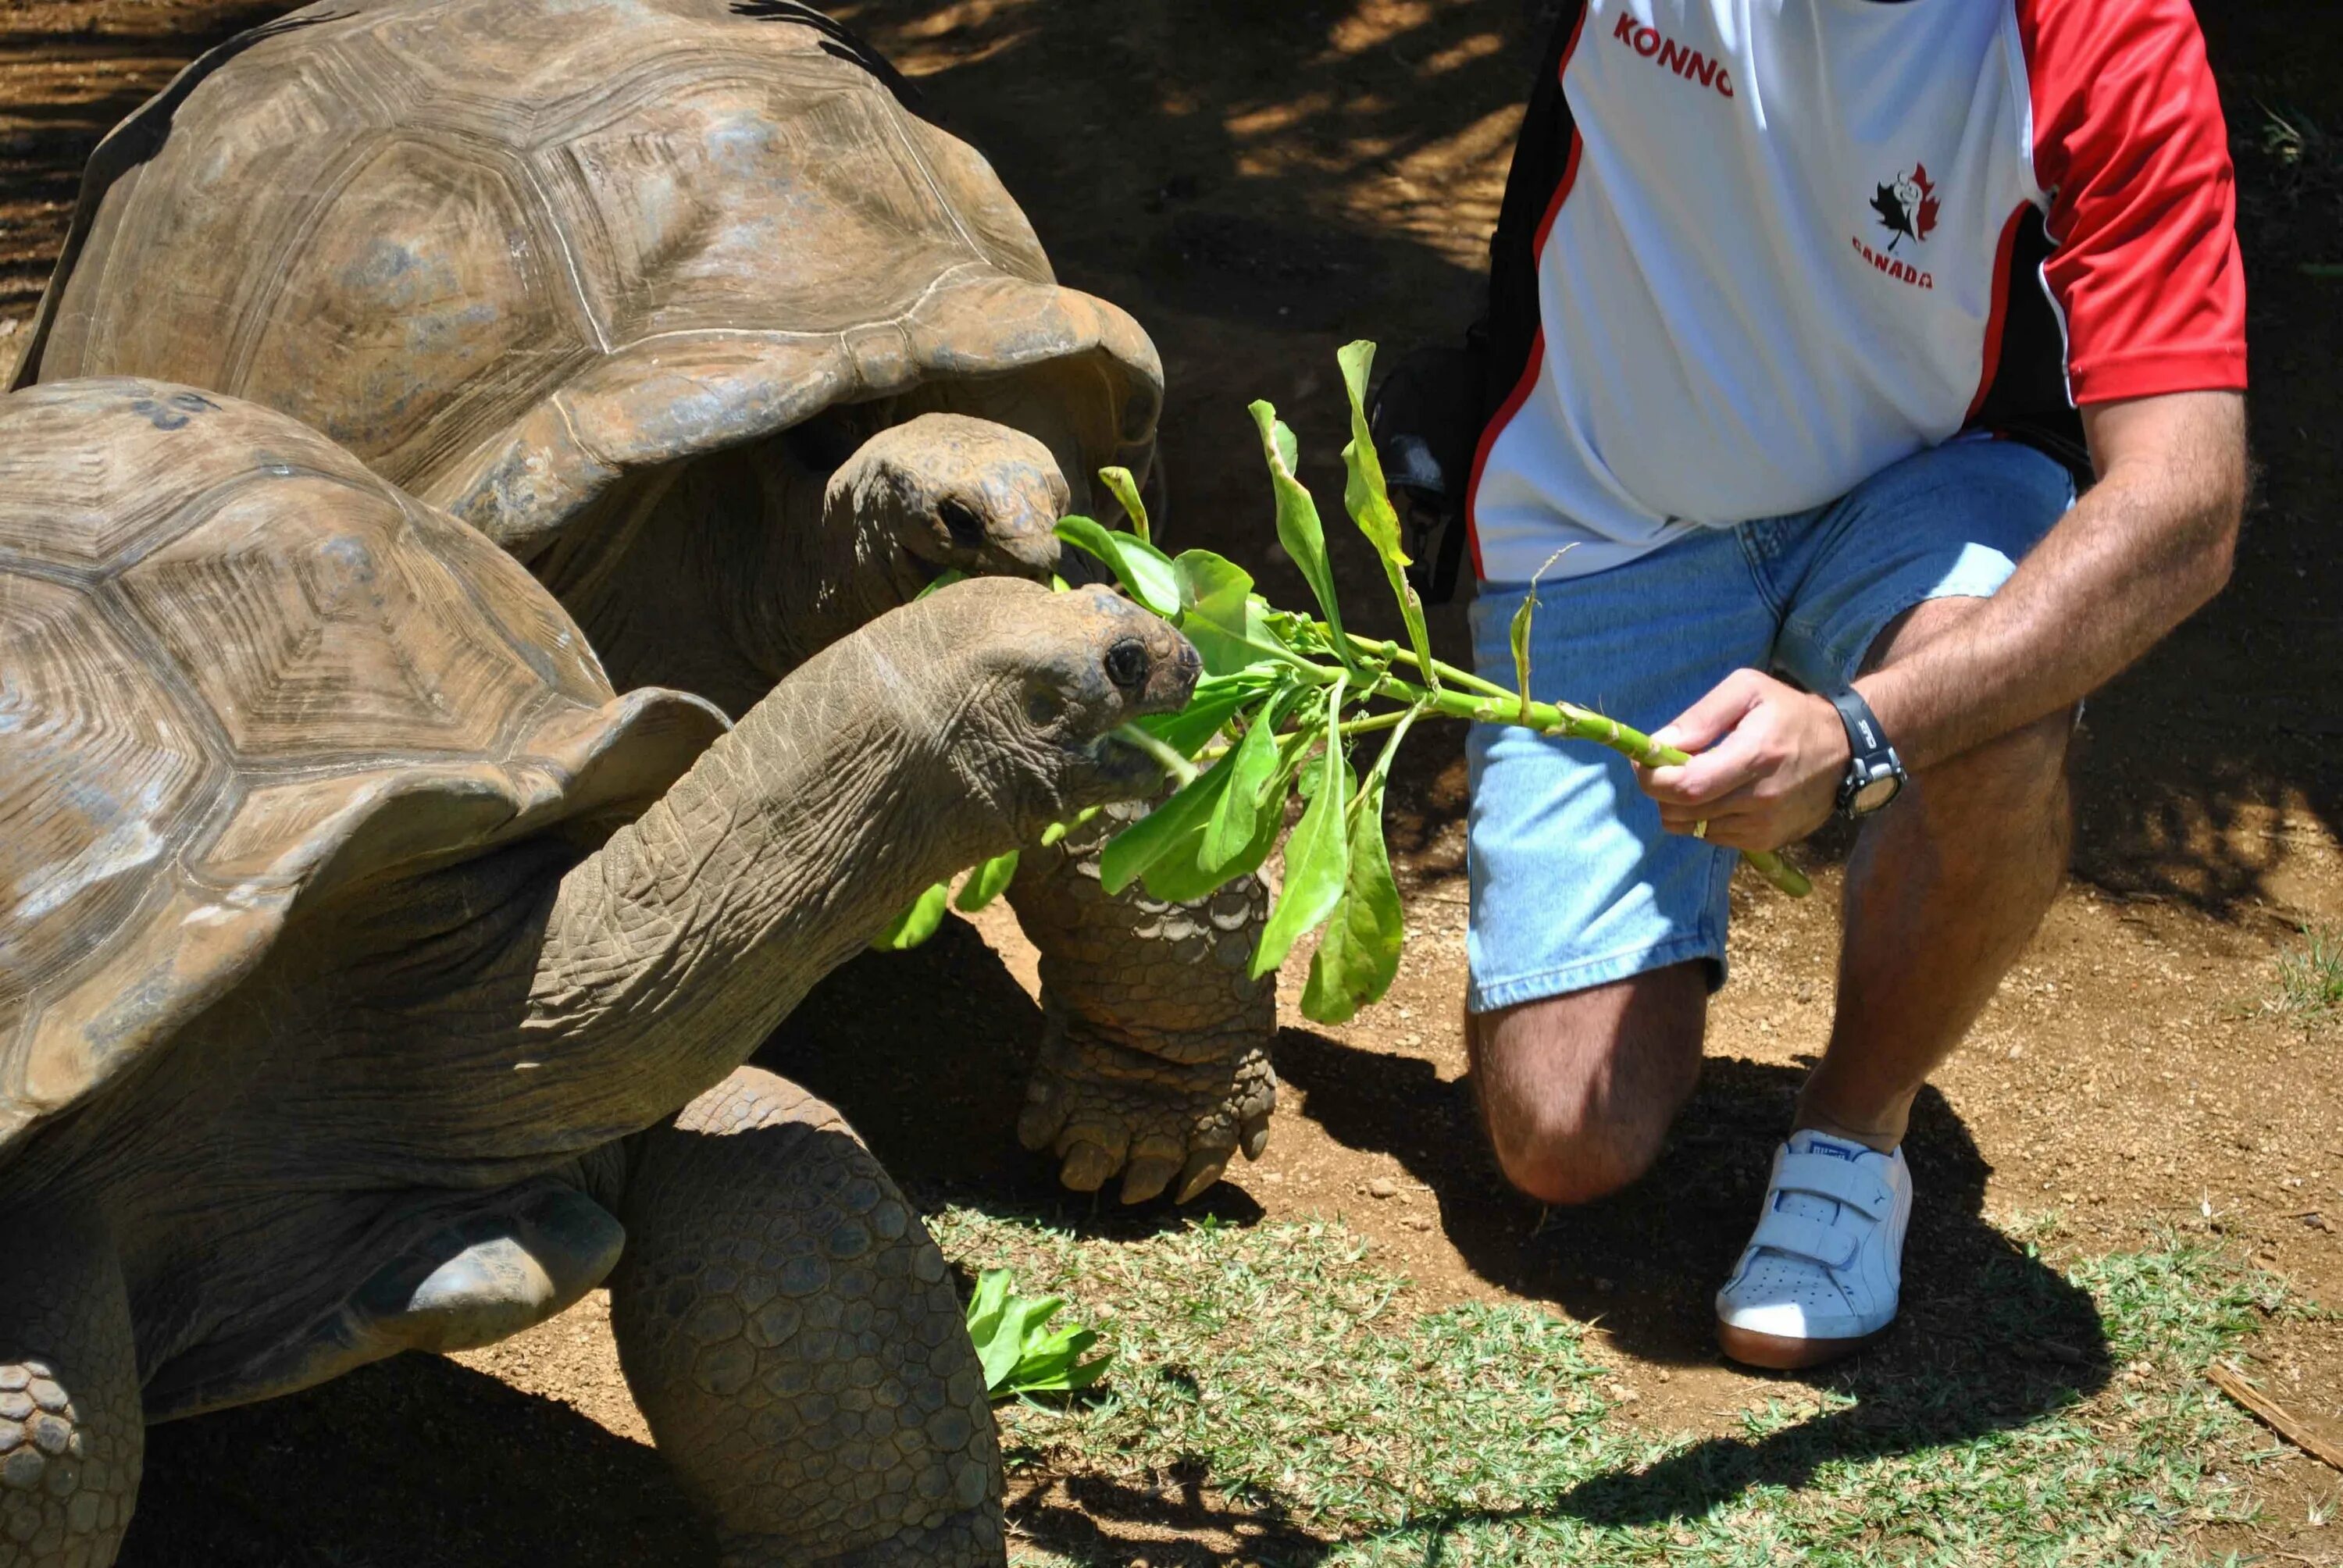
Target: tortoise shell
pixel 507 251
pixel 237 671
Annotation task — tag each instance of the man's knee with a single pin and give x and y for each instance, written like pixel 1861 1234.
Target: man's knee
pixel 1578 1092
pixel 2020 774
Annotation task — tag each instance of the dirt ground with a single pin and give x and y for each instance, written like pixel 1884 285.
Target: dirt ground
pixel 1260 183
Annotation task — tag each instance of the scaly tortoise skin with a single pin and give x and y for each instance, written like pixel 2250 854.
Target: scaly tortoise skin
pixel 677 301
pixel 373 978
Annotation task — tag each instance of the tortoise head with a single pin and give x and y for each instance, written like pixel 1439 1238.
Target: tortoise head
pixel 1040 683
pixel 946 491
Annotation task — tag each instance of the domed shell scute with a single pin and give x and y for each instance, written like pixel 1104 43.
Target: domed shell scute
pixel 285 677
pixel 290 607
pixel 425 302
pixel 510 251
pixel 104 770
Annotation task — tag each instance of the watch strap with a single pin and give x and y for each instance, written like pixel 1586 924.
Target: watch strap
pixel 1870 757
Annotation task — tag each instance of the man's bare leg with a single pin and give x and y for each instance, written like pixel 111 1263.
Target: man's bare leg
pixel 1577 1091
pixel 1944 891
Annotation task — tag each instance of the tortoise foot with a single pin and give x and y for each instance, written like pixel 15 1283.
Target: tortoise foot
pixel 792 1337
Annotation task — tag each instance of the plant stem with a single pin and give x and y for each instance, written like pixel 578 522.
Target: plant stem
pixel 1165 757
pixel 1449 674
pixel 1568 719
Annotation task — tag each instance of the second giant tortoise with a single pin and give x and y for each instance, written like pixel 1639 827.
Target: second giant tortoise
pixel 679 302
pixel 373 977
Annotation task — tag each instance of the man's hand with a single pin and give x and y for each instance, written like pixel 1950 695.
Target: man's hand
pixel 1767 766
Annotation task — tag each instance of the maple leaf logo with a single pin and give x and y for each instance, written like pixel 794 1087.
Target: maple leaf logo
pixel 1907 208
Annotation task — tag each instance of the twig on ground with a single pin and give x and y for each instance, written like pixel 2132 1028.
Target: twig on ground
pixel 2274 1416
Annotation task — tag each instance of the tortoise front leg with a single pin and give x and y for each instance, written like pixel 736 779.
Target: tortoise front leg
pixel 791 1334
pixel 72 1432
pixel 1154 1058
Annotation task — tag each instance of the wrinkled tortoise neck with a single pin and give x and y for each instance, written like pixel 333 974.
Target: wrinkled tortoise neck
pixel 672 951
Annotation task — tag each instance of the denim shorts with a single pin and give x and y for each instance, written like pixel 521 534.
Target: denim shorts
pixel 1573 882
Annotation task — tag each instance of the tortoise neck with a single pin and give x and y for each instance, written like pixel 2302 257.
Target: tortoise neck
pixel 675 950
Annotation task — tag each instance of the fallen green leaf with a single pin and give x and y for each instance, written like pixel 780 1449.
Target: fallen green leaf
pixel 1016 1348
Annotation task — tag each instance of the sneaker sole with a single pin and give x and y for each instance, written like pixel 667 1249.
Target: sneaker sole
pixel 1779 1352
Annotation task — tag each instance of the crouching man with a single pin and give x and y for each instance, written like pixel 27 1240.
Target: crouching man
pixel 1808 321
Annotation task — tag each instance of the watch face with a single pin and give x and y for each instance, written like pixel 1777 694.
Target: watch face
pixel 1878 793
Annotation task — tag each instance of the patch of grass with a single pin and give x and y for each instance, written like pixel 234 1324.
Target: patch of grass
pixel 1277 1367
pixel 2310 977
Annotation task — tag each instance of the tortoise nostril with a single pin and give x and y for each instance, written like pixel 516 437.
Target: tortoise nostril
pixel 1126 664
pixel 962 523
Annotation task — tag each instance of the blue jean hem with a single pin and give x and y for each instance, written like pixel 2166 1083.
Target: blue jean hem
pixel 1874 614
pixel 1603 970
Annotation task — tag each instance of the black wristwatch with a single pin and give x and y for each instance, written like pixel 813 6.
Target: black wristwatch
pixel 1875 774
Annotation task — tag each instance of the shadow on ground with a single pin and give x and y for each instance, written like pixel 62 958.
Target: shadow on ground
pixel 1991 1338
pixel 415 1462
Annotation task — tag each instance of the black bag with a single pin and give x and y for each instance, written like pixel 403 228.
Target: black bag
pixel 1425 418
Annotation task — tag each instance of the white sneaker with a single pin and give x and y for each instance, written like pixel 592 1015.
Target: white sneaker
pixel 1823 1274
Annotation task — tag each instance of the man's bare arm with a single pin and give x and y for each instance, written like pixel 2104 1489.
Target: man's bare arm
pixel 2149 542
pixel 2147 545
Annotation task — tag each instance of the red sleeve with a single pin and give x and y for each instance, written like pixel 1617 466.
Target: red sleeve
pixel 2131 147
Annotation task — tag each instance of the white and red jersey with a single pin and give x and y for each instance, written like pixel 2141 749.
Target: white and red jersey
pixel 1754 251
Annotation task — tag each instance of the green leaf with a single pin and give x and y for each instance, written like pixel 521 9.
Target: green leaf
pixel 1317 857
pixel 943 579
pixel 984 1306
pixel 1145 571
pixel 1521 640
pixel 1126 491
pixel 1178 821
pixel 916 924
pixel 988 882
pixel 1222 616
pixel 1358 959
pixel 1216 700
pixel 1018 1353
pixel 1368 498
pixel 1298 527
pixel 1236 818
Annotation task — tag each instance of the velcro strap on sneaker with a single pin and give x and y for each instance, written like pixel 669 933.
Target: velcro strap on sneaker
pixel 1829 1176
pixel 1831 1247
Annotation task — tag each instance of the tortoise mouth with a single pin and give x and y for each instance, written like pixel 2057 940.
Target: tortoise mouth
pixel 1119 767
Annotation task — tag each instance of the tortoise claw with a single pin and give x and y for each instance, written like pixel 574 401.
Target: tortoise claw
pixel 1147 1177
pixel 1086 1167
pixel 1203 1170
pixel 1256 1137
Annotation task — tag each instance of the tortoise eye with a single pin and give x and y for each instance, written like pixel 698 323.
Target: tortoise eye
pixel 961 521
pixel 1126 663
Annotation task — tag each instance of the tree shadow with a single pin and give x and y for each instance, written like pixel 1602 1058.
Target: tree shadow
pixel 1078 1517
pixel 1990 1337
pixel 413 1462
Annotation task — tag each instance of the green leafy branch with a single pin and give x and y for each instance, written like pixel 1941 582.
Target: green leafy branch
pixel 1284 699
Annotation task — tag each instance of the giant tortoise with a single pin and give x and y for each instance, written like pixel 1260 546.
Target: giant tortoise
pixel 372 977
pixel 677 302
